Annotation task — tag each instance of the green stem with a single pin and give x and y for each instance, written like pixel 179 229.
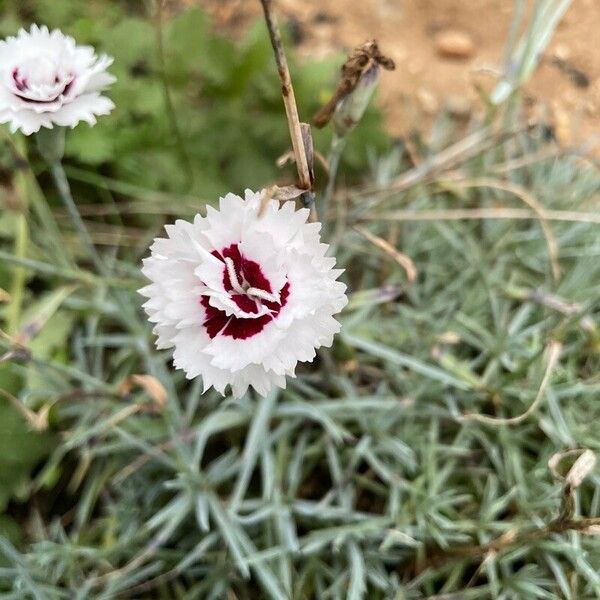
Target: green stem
pixel 19 279
pixel 169 107
pixel 52 270
pixel 51 147
pixel 31 195
pixel 335 154
pixel 128 311
pixel 64 191
pixel 19 276
pixel 24 185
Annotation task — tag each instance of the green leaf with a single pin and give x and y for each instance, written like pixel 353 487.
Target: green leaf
pixel 20 448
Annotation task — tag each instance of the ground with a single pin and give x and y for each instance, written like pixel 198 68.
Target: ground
pixel 566 87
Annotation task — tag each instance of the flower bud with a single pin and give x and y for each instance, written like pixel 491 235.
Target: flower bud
pixel 350 109
pixel 51 144
pixel 357 84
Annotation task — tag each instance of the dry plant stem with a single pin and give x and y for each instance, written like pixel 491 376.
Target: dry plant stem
pixel 402 259
pixel 289 100
pixel 37 421
pixel 468 147
pixel 474 214
pixel 555 302
pixel 513 537
pixel 287 91
pixel 554 349
pixel 533 203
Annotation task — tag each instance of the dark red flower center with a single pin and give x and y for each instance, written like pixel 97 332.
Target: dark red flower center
pixel 251 291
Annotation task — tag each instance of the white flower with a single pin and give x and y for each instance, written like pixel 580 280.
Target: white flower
pixel 46 80
pixel 241 297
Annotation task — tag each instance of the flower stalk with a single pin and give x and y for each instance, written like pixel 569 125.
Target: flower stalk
pixel 291 108
pixel 51 145
pixel 338 143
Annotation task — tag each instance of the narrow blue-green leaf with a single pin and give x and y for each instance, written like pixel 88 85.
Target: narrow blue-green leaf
pixel 403 360
pixel 358 583
pixel 257 437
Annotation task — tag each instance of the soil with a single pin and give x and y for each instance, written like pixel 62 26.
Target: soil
pixel 429 75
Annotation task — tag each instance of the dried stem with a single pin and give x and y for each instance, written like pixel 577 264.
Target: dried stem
pixel 289 100
pixel 532 202
pixel 554 349
pixel 402 259
pixel 468 147
pixel 469 214
pixel 513 537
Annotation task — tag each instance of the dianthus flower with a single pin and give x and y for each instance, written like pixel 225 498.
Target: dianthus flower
pixel 243 294
pixel 47 80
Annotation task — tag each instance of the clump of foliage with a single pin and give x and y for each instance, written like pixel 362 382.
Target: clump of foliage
pixel 196 112
pixel 197 115
pixel 368 477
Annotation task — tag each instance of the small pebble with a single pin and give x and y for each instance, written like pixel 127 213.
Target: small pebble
pixel 428 101
pixel 454 44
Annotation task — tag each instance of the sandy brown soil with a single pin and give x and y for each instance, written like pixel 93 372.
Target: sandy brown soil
pixel 568 89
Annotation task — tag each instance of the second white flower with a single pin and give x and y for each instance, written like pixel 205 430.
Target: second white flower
pixel 46 79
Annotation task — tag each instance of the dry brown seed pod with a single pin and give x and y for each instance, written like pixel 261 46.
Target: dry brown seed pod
pixel 360 61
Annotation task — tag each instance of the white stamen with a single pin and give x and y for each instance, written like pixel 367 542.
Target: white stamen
pixel 262 295
pixel 233 279
pixel 255 293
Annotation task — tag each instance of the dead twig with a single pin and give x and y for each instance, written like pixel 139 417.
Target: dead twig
pixel 513 537
pixel 402 259
pixel 289 100
pixel 554 349
pixel 468 147
pixel 470 214
pixel 532 202
pixel 38 421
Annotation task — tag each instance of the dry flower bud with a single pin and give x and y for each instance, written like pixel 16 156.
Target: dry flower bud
pixel 352 95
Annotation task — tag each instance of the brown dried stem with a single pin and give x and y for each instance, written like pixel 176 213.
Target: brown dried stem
pixel 402 259
pixel 554 349
pixel 513 537
pixel 532 202
pixel 468 214
pixel 289 100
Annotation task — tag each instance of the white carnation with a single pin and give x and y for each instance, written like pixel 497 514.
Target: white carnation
pixel 46 80
pixel 243 297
